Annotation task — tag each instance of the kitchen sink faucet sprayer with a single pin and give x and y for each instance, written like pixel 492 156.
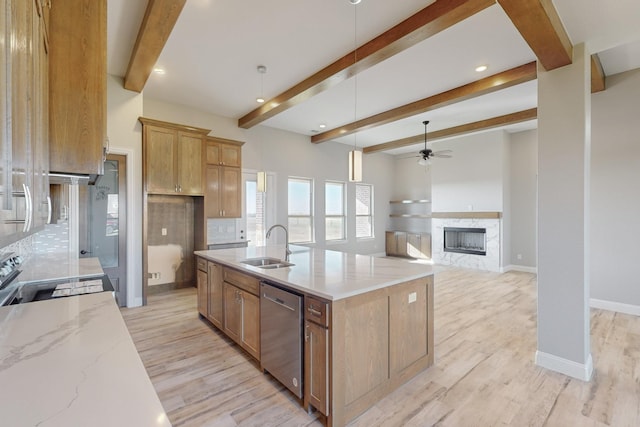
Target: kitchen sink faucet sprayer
pixel 286 237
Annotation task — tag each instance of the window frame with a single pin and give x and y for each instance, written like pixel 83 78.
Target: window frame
pixel 369 215
pixel 311 209
pixel 344 211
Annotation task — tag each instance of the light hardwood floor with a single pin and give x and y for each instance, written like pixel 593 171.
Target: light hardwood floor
pixel 484 373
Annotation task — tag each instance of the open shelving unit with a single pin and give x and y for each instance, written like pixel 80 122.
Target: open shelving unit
pixel 409 234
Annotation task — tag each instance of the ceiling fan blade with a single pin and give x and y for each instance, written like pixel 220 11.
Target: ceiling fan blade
pixel 443 151
pixel 442 156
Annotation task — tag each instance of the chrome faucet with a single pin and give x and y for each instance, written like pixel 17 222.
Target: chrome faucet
pixel 286 236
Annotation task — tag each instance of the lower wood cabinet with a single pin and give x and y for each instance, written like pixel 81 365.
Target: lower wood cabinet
pixel 215 294
pixel 202 281
pixel 316 355
pixel 406 244
pixel 242 318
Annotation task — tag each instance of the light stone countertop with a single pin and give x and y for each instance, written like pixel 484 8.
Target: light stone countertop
pixel 71 362
pixel 327 274
pixel 58 266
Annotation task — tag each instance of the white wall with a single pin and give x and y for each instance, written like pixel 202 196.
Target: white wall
pixel 615 196
pixel 125 137
pixel 289 154
pixel 472 180
pixel 524 188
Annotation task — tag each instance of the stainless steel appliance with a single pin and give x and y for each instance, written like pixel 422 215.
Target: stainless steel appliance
pixel 281 335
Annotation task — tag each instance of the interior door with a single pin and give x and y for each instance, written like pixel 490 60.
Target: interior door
pixel 103 223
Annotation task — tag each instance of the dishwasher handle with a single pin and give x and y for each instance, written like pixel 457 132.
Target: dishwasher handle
pixel 277 301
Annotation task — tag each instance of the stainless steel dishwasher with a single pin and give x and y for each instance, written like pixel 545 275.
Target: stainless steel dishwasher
pixel 281 335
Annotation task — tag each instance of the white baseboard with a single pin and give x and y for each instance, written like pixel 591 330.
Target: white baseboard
pixel 615 306
pixel 523 268
pixel 564 366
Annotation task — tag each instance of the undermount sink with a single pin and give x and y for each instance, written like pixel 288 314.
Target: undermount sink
pixel 267 262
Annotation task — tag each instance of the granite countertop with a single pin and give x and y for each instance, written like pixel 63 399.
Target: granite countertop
pixel 327 274
pixel 71 361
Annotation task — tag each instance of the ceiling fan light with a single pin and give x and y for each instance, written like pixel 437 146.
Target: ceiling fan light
pixel 424 162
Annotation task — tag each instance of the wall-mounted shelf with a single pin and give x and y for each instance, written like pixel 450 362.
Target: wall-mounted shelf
pixel 409 202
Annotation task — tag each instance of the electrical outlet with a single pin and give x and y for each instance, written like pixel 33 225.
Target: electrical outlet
pixel 413 297
pixel 519 256
pixel 470 208
pixel 164 231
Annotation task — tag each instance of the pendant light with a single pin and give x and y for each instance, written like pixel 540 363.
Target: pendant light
pixel 355 156
pixel 261 176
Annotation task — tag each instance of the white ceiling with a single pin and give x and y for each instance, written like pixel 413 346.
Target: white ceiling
pixel 212 54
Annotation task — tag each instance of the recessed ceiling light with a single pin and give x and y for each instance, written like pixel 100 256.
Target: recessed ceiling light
pixel 481 68
pixel 354 1
pixel 322 125
pixel 259 100
pixel 159 70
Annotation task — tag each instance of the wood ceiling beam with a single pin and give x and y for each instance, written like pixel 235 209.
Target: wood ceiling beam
pixel 540 26
pixel 434 18
pixel 503 80
pixel 158 22
pixel 598 82
pixel 507 119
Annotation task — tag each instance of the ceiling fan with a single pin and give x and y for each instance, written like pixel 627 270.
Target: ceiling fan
pixel 426 154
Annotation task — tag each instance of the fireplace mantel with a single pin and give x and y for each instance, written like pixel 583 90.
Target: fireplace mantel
pixel 474 215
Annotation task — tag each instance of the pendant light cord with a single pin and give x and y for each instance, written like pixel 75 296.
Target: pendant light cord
pixel 355 76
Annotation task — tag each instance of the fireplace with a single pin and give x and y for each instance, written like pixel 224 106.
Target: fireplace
pixel 465 240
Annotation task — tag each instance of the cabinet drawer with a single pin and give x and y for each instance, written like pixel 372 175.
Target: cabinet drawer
pixel 243 281
pixel 316 310
pixel 202 264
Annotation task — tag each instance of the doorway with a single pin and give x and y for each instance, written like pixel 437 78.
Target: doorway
pixel 102 223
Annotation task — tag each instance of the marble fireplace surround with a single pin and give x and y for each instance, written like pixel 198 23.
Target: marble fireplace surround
pixel 491 221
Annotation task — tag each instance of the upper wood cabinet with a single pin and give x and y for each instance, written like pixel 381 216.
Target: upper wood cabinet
pixel 24 152
pixel 173 158
pixel 223 178
pixel 224 152
pixel 78 86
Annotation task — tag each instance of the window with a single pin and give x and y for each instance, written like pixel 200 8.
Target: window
pixel 255 214
pixel 300 210
pixel 334 210
pixel 364 210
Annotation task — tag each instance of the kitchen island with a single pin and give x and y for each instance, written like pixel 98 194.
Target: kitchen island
pixel 368 321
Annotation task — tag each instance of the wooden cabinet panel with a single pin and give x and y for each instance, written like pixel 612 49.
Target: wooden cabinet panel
pixel 215 296
pixel 405 244
pixel 189 164
pixel 161 161
pixel 316 367
pixel 242 281
pixel 213 179
pixel 407 324
pixel 173 160
pixel 202 293
pixel 232 312
pixel 250 323
pixel 78 86
pixel 221 153
pixel 224 192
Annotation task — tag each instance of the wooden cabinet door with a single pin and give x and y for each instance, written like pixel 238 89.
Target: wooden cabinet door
pixel 316 367
pixel 414 245
pixel 78 86
pixel 251 323
pixel 230 155
pixel 202 293
pixel 390 243
pixel 425 245
pixel 213 208
pixel 231 193
pixel 161 160
pixel 401 243
pixel 215 294
pixel 213 153
pixel 189 164
pixel 232 312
